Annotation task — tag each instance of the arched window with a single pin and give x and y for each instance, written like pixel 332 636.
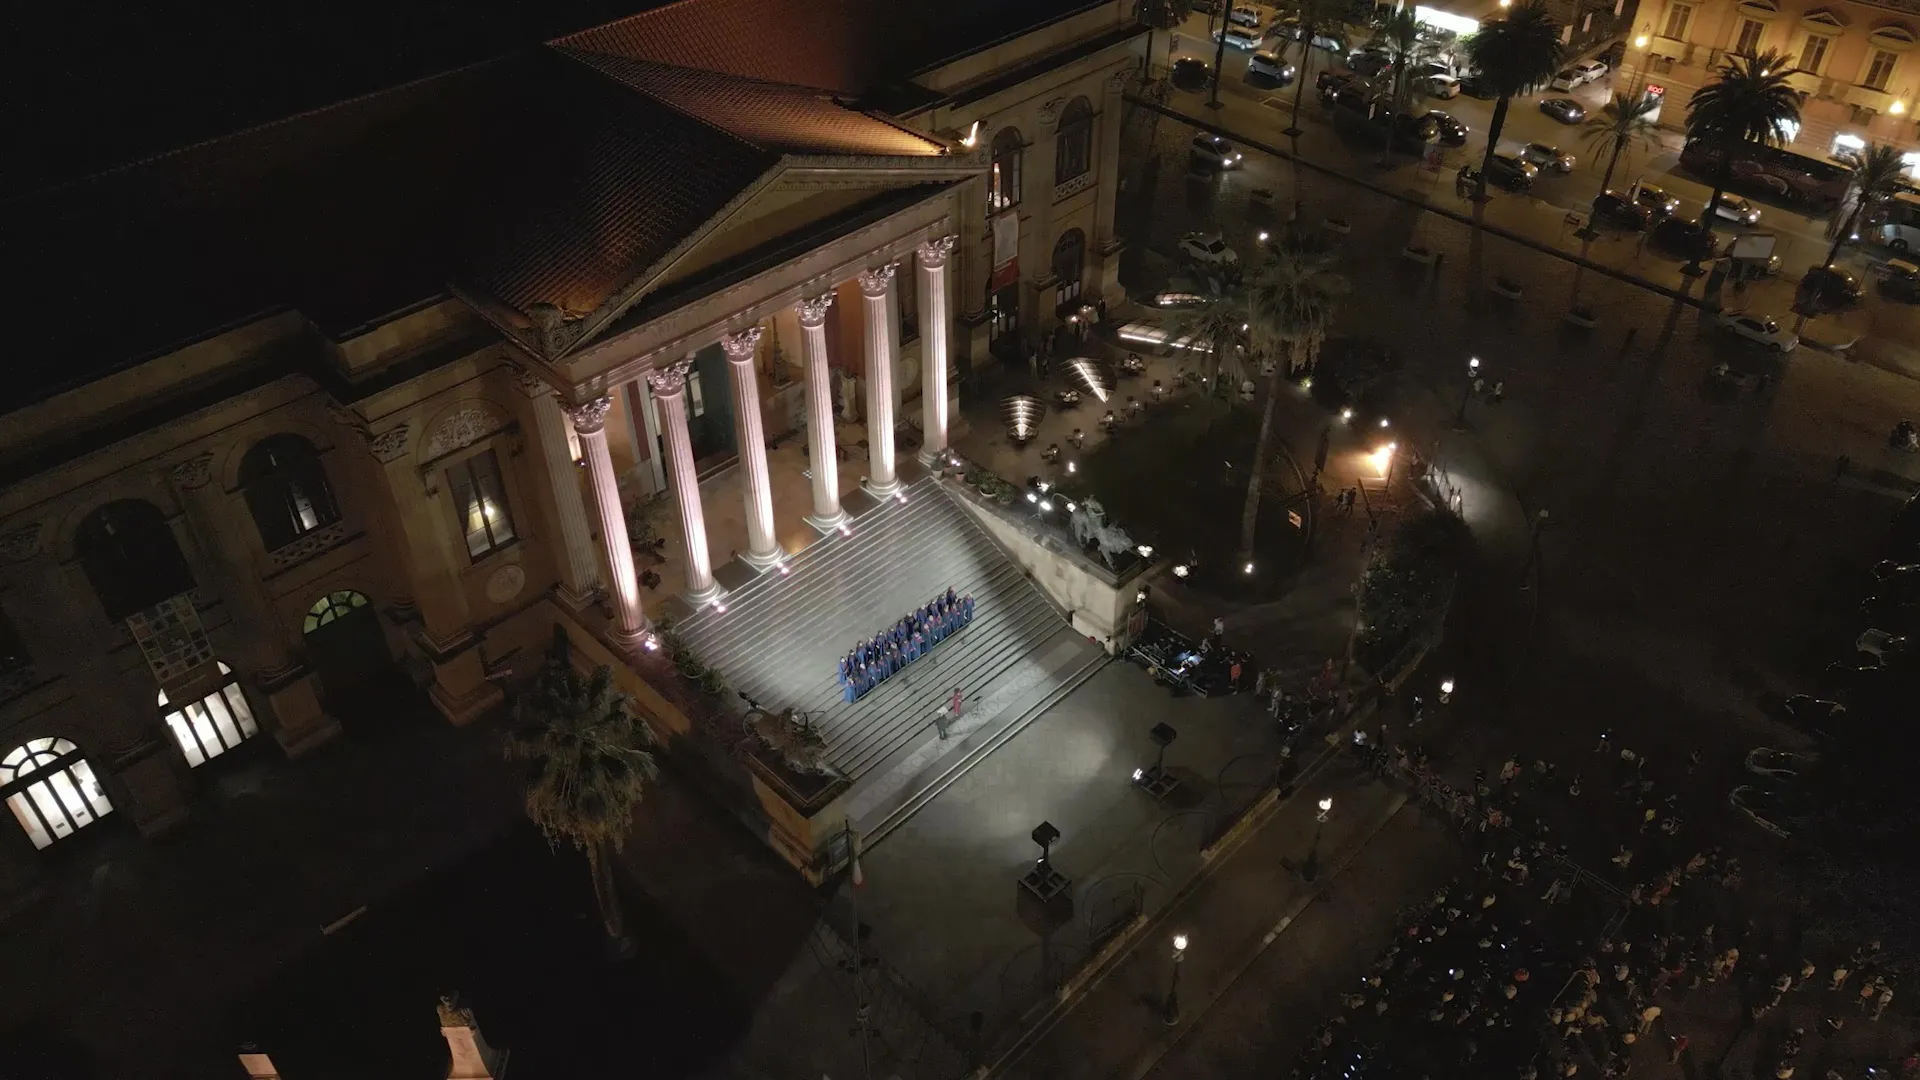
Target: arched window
pixel 131 558
pixel 51 790
pixel 286 490
pixel 1003 182
pixel 1069 262
pixel 215 724
pixel 332 606
pixel 1073 145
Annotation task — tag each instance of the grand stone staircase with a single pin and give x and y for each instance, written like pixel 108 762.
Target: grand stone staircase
pixel 781 636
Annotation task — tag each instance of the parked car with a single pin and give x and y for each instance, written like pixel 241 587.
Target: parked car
pixel 1590 71
pixel 1656 199
pixel 1239 37
pixel 1191 73
pixel 1900 279
pixel 1884 647
pixel 1510 171
pixel 1616 209
pixel 1567 79
pixel 1738 210
pixel 1329 83
pixel 1891 611
pixel 1547 157
pixel 1207 249
pixel 1901 238
pixel 1244 16
pixel 1565 110
pixel 1829 288
pixel 1372 63
pixel 1271 66
pixel 1177 299
pixel 1903 578
pixel 1815 716
pixel 1332 43
pixel 1475 86
pixel 1452 131
pixel 1214 152
pixel 1779 766
pixel 1760 329
pixel 1685 237
pixel 1781 810
pixel 1444 87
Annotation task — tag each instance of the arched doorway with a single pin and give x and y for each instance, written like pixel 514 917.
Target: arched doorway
pixel 345 643
pixel 51 790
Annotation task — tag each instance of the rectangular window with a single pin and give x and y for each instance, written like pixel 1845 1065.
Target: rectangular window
pixel 1748 43
pixel 481 500
pixel 1679 18
pixel 1813 54
pixel 1880 70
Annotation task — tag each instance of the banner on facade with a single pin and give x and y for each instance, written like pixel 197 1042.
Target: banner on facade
pixel 1006 251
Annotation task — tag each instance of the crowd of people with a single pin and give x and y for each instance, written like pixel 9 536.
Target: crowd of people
pixel 1532 965
pixel 877 659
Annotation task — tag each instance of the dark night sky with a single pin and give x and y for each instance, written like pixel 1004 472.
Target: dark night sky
pixel 87 84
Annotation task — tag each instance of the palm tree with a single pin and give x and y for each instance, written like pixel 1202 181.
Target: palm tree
pixel 1161 15
pixel 1292 299
pixel 1400 34
pixel 1216 332
pixel 1878 174
pixel 1749 101
pixel 1513 56
pixel 1316 17
pixel 588 766
pixel 1621 126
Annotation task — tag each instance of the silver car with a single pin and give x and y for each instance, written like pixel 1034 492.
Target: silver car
pixel 1547 157
pixel 1736 209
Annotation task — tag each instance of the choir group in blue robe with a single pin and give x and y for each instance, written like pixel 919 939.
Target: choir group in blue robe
pixel 873 661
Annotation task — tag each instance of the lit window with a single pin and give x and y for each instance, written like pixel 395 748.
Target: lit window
pixel 1749 41
pixel 51 790
pixel 696 394
pixel 482 503
pixel 1069 265
pixel 1003 184
pixel 286 489
pixel 332 606
pixel 215 724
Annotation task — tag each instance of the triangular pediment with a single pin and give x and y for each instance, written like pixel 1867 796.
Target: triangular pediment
pixel 1823 18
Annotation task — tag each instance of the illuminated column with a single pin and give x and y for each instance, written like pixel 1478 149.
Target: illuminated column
pixel 670 391
pixel 821 452
pixel 590 423
pixel 874 286
pixel 1108 179
pixel 763 550
pixel 579 566
pixel 934 323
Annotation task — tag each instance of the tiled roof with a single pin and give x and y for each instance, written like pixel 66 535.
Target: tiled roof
pixel 851 47
pixel 772 116
pixel 610 182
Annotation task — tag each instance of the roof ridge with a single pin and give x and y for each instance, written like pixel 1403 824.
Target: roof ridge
pixel 78 182
pixel 579 56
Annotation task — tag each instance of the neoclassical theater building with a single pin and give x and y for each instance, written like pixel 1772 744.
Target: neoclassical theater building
pixel 390 387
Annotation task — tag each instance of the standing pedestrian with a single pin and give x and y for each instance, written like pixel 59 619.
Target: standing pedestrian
pixel 1882 999
pixel 953 704
pixel 1499 391
pixel 1675 1047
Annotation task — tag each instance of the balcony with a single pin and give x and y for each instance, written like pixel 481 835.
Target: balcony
pixel 1866 97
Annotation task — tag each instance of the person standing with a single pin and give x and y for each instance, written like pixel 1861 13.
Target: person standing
pixel 953 703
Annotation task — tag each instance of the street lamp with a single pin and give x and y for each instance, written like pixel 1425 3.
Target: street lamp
pixel 1446 690
pixel 1310 868
pixel 1466 391
pixel 1326 807
pixel 1170 1009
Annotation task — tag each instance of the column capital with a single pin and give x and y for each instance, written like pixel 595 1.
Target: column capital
pixel 195 472
pixel 878 280
pixel 670 380
pixel 530 382
pixel 934 253
pixel 740 347
pixel 814 312
pixel 590 416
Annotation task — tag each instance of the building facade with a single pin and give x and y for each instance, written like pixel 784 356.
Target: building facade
pixel 1858 65
pixel 387 390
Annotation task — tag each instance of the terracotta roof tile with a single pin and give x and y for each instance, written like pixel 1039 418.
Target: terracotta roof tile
pixel 772 116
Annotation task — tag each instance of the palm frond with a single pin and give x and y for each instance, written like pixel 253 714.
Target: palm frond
pixel 1519 53
pixel 589 759
pixel 1750 100
pixel 1293 297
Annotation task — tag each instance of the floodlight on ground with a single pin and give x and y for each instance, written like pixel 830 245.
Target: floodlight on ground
pixel 1033 496
pixel 1263 236
pixel 719 607
pixel 1046 505
pixel 1072 467
pixel 1181 571
pixel 1347 415
pixel 1137 774
pixel 1384 421
pixel 846 530
pixel 1145 550
pixel 1446 690
pixel 1247 569
pixel 651 642
pixel 1306 383
pixel 784 568
pixel 1045 486
pixel 1072 506
pixel 1180 942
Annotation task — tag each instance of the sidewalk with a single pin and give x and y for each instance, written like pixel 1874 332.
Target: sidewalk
pixel 1232 915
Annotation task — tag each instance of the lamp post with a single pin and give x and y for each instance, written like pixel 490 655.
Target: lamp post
pixel 1446 690
pixel 1466 391
pixel 1310 868
pixel 1533 549
pixel 1170 1008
